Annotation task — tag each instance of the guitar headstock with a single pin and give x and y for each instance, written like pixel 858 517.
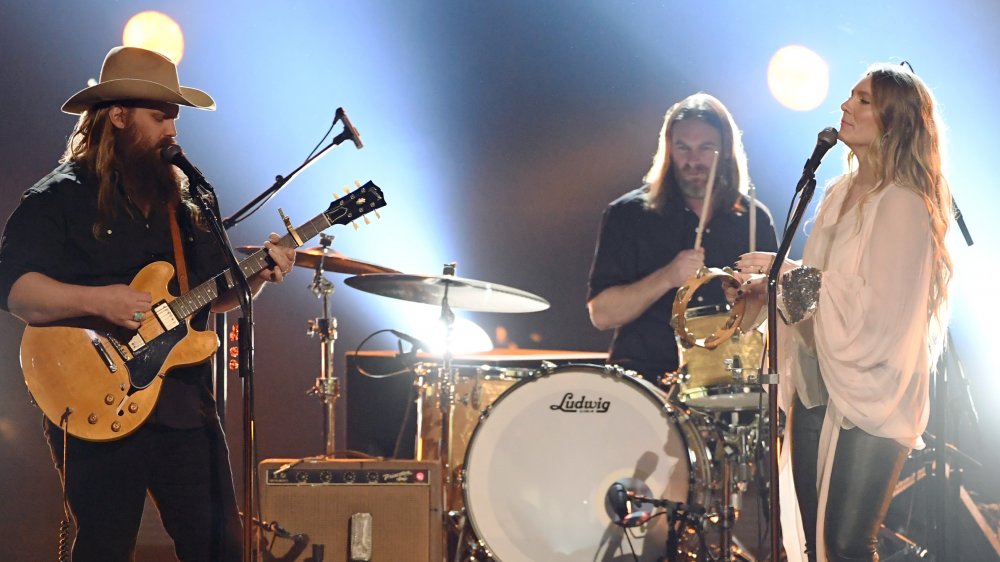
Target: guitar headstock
pixel 356 204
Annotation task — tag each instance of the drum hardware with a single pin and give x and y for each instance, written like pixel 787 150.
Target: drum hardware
pixel 320 259
pixel 449 292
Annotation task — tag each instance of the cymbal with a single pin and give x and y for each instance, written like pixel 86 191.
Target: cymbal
pixel 463 293
pixel 334 262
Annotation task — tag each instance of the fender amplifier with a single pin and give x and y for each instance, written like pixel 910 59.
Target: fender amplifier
pixel 351 510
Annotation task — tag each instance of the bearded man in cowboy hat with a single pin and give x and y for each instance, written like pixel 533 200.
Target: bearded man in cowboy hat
pixel 70 250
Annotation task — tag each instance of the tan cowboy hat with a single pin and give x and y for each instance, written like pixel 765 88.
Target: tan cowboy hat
pixel 131 73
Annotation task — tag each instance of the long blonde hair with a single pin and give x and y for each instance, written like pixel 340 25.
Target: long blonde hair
pixel 907 152
pixel 731 178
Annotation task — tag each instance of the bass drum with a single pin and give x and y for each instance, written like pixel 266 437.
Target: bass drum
pixel 545 453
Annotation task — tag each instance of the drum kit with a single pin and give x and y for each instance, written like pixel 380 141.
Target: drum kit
pixel 575 462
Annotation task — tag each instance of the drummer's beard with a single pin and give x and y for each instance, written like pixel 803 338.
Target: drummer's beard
pixel 692 187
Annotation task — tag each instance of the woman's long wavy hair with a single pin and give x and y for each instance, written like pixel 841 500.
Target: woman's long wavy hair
pixel 908 152
pixel 92 145
pixel 731 177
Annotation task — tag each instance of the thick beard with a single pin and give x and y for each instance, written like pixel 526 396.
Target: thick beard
pixel 692 190
pixel 147 179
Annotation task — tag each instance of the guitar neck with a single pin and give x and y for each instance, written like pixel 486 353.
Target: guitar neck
pixel 195 299
pixel 361 201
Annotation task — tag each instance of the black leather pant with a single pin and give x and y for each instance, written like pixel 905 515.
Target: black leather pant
pixel 865 472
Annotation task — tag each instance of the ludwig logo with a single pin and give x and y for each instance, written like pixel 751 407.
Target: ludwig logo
pixel 581 404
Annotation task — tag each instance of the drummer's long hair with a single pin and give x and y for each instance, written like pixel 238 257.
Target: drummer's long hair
pixel 731 177
pixel 908 152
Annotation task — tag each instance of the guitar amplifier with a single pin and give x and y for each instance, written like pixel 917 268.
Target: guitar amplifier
pixel 351 510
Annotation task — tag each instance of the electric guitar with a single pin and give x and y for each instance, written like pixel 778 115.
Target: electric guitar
pixel 101 382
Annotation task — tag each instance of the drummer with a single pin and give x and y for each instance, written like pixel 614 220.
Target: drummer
pixel 646 246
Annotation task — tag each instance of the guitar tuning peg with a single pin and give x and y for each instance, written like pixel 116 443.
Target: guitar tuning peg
pixel 367 221
pixel 357 183
pixel 347 189
pixel 355 225
pixel 378 216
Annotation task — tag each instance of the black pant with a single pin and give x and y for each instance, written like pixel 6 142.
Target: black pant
pixel 865 471
pixel 185 471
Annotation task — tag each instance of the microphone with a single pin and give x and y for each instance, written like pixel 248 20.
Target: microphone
pixel 349 131
pixel 617 497
pixel 826 140
pixel 174 154
pixel 417 344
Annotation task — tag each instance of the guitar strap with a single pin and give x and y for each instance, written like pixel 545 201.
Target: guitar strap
pixel 175 233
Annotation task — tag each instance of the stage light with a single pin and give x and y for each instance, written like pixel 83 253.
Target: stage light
pixel 157 32
pixel 798 78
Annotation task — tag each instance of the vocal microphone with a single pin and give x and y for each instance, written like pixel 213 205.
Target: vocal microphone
pixel 826 140
pixel 174 154
pixel 349 130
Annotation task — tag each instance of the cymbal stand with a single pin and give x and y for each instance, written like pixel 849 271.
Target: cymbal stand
pixel 327 385
pixel 447 380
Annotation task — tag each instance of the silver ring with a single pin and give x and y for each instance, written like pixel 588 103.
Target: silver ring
pixel 137 317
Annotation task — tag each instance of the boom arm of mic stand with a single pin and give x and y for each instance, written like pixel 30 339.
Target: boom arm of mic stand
pixel 772 356
pixel 279 182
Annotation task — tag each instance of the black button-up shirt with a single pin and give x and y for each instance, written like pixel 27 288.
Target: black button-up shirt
pixel 635 241
pixel 51 232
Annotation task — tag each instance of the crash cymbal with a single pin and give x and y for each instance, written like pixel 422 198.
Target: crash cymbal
pixel 463 293
pixel 334 262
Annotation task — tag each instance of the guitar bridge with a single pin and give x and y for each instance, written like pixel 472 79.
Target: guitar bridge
pixel 104 355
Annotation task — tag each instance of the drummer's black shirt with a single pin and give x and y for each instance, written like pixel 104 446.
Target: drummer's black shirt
pixel 51 233
pixel 635 240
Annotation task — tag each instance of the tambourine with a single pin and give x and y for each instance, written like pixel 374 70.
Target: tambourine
pixel 686 292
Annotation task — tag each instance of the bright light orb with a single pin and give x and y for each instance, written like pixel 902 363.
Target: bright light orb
pixel 798 78
pixel 157 32
pixel 466 335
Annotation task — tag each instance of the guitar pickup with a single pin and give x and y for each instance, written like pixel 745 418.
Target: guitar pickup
pixel 104 355
pixel 166 316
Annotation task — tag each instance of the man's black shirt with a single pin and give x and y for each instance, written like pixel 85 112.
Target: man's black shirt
pixel 635 240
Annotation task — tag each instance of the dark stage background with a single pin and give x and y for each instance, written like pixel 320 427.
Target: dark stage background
pixel 498 131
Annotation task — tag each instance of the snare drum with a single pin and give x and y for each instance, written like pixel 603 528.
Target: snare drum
pixel 545 453
pixel 718 379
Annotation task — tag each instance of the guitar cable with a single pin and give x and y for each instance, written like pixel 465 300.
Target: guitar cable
pixel 66 525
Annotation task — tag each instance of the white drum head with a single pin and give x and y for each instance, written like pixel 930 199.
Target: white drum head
pixel 541 461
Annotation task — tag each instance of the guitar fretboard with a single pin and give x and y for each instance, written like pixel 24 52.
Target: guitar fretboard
pixel 195 299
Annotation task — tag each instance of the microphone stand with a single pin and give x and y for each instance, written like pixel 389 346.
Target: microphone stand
pixel 204 195
pixel 245 324
pixel 806 188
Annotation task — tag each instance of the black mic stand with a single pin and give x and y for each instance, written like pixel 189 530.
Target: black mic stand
pixel 941 486
pixel 806 188
pixel 204 195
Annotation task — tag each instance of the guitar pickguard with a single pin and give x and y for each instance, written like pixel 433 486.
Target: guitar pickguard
pixel 145 363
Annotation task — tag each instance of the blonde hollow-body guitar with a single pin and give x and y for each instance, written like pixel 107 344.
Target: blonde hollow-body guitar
pixel 101 382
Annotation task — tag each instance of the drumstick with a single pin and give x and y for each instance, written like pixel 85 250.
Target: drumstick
pixel 707 201
pixel 753 217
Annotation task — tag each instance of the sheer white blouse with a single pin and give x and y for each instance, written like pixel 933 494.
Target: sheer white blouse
pixel 864 353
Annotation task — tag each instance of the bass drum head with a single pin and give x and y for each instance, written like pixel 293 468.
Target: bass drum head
pixel 544 455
